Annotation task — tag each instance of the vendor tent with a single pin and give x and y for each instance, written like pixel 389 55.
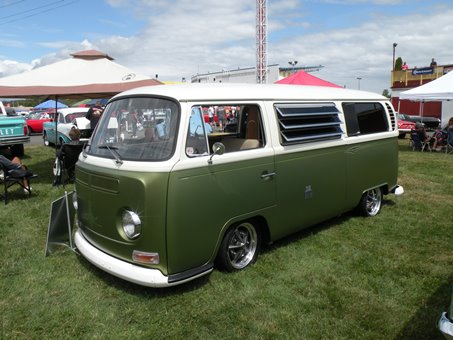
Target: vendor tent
pixel 303 78
pixel 88 74
pixel 436 90
pixel 49 104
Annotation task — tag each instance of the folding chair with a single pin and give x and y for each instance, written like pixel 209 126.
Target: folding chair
pixel 64 166
pixel 15 176
pixel 449 145
pixel 417 144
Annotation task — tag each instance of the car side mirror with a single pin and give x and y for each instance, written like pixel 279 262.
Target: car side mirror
pixel 217 149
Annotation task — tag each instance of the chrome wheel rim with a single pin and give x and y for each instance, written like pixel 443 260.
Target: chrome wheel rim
pixel 373 201
pixel 242 245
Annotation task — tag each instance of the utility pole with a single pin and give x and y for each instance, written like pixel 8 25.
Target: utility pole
pixel 261 41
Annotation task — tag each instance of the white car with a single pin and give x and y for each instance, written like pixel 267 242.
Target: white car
pixel 57 133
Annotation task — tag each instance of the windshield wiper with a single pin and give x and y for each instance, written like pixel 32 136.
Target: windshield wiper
pixel 113 151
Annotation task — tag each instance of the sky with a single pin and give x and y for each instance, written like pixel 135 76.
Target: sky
pixel 181 38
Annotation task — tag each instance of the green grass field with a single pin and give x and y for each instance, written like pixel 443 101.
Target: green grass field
pixel 387 277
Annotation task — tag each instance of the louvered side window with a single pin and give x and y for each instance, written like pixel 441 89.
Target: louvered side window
pixel 311 122
pixel 392 116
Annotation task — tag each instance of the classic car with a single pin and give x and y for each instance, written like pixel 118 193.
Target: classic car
pixel 56 132
pixel 36 120
pixel 431 123
pixel 404 126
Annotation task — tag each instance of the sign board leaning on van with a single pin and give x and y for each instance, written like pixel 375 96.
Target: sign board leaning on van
pixel 165 193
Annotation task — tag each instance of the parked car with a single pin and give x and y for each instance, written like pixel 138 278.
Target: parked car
pixel 35 121
pixel 404 126
pixel 431 123
pixel 57 133
pixel 446 321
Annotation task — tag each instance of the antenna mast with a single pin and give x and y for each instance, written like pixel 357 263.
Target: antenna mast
pixel 261 41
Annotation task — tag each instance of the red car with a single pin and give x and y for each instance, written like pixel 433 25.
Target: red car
pixel 36 120
pixel 404 127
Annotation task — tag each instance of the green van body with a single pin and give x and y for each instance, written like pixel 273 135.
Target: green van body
pixel 188 201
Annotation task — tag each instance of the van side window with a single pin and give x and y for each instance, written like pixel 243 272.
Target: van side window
pixel 308 122
pixel 365 118
pixel 244 131
pixel 196 144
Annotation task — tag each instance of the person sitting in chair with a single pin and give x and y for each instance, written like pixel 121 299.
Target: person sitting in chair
pixel 13 165
pixel 69 153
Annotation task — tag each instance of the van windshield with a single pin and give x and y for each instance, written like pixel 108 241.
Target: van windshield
pixel 137 129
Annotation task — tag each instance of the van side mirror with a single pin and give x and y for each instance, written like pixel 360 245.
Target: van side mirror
pixel 217 149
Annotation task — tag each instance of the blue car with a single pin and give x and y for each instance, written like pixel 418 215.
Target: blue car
pixel 57 133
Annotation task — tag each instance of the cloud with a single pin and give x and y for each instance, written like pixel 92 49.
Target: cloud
pixel 194 36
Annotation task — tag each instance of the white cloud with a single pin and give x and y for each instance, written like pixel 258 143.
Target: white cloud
pixel 195 36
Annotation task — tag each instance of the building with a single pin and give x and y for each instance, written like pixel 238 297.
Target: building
pixel 403 80
pixel 248 75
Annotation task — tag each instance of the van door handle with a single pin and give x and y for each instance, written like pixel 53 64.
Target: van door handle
pixel 267 175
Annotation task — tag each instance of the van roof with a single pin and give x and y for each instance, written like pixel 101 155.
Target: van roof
pixel 218 91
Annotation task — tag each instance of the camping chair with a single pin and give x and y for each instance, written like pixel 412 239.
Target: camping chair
pixel 64 166
pixel 449 145
pixel 416 143
pixel 15 176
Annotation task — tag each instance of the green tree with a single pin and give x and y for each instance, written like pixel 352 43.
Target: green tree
pixel 386 93
pixel 398 64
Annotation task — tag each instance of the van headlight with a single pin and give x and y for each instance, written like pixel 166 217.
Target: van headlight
pixel 132 225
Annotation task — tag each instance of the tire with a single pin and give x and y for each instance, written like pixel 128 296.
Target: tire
pixel 45 139
pixel 402 135
pixel 371 202
pixel 240 247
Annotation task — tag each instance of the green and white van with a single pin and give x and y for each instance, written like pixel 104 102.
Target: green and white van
pixel 162 195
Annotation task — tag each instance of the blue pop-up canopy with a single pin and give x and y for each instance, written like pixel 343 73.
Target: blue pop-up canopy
pixel 50 104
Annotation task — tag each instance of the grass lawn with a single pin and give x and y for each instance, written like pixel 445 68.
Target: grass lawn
pixel 387 277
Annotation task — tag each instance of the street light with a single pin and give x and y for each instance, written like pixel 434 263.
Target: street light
pixel 359 79
pixel 394 47
pixel 293 64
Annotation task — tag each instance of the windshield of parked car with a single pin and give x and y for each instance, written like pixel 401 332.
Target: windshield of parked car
pixel 137 129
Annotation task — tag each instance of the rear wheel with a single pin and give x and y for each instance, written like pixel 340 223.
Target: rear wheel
pixel 239 247
pixel 370 203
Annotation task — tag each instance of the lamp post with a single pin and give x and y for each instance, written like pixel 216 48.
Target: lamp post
pixel 358 80
pixel 293 64
pixel 393 64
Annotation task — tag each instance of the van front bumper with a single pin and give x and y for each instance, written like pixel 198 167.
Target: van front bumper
pixel 125 270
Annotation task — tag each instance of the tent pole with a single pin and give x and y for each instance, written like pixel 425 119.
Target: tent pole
pixel 56 125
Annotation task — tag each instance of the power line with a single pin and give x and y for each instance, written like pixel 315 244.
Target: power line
pixel 11 3
pixel 44 7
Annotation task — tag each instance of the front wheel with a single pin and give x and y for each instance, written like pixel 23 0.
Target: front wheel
pixel 239 247
pixel 370 203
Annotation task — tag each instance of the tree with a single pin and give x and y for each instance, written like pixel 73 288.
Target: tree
pixel 398 64
pixel 386 93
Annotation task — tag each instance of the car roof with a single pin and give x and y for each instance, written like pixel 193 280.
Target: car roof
pixel 68 110
pixel 216 91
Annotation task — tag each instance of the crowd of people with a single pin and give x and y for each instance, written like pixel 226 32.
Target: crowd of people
pixel 435 142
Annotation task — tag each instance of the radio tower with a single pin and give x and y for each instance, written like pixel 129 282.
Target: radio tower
pixel 261 41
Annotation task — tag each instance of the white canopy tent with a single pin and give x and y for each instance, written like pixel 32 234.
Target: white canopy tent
pixel 439 89
pixel 88 74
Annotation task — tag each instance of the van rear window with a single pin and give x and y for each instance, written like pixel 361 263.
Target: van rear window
pixel 365 118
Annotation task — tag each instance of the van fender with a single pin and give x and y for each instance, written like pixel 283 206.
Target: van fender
pixel 257 216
